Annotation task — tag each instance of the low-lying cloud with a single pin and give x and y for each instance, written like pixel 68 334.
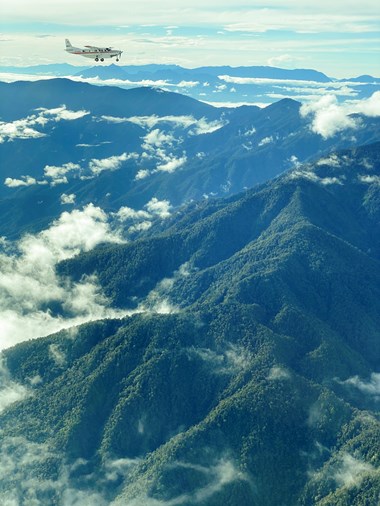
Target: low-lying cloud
pixel 328 117
pixel 27 128
pixel 10 391
pixel 30 287
pixel 370 387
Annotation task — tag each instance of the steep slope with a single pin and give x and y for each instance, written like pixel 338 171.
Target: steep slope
pixel 249 373
pixel 115 148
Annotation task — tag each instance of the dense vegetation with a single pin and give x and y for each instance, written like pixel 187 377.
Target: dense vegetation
pixel 255 385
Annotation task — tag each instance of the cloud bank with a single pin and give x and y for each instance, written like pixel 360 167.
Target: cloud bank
pixel 329 118
pixel 30 287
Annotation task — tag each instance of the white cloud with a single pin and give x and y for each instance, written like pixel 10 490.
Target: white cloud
pixel 18 129
pixel 311 176
pixel 215 477
pixel 29 283
pixel 24 181
pixel 171 164
pixel 127 213
pixel 61 113
pixel 58 174
pixel 10 391
pixel 351 471
pixel 25 128
pixel 22 483
pixel 157 139
pixel 57 355
pixel 67 199
pixel 278 373
pixel 233 359
pixel 142 174
pixel 332 160
pixel 328 118
pixel 111 163
pixel 369 179
pixel 201 126
pixel 158 299
pixel 160 208
pixel 265 141
pixel 369 107
pixel 371 387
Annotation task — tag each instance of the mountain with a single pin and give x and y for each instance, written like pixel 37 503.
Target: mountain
pixel 214 84
pixel 68 138
pixel 247 373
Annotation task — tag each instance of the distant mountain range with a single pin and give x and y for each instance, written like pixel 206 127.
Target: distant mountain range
pixel 66 138
pixel 216 84
pixel 249 371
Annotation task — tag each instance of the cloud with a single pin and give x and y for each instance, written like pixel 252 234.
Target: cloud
pixel 265 141
pixel 142 174
pixel 22 483
pixel 25 128
pixel 127 213
pixel 311 176
pixel 30 287
pixel 233 359
pixel 160 208
pixel 369 107
pixel 24 181
pixel 369 179
pixel 67 199
pixel 351 471
pixel 58 174
pixel 214 478
pixel 18 129
pixel 278 373
pixel 332 160
pixel 57 355
pixel 159 299
pixel 157 139
pixel 328 118
pixel 10 391
pixel 111 163
pixel 171 164
pixel 371 387
pixel 199 126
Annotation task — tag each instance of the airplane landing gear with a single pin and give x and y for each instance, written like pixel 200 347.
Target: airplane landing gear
pixel 96 59
pixel 101 59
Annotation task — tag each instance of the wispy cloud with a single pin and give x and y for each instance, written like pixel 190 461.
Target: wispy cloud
pixel 111 163
pixel 30 285
pixel 10 391
pixel 370 387
pixel 351 471
pixel 26 128
pixel 329 118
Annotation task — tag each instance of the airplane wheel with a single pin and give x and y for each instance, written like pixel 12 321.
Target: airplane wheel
pixel 101 59
pixel 96 59
pixel 117 59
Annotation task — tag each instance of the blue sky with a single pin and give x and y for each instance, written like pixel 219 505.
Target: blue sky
pixel 339 38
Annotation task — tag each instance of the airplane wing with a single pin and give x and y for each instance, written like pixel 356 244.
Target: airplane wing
pixel 99 48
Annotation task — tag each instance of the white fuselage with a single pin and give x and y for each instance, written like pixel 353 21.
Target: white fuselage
pixel 96 53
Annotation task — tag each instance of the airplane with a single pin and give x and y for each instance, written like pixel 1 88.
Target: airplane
pixel 97 53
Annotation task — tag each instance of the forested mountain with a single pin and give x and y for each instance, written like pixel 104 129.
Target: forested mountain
pixel 114 147
pixel 220 84
pixel 246 371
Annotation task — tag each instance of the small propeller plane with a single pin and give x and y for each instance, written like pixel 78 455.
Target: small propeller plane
pixel 97 53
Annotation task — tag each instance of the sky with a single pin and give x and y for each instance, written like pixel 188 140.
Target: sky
pixel 340 38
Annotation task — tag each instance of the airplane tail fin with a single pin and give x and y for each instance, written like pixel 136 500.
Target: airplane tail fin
pixel 68 44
